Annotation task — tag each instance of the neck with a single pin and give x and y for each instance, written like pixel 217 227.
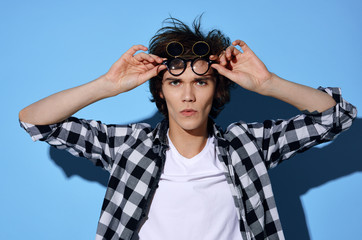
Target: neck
pixel 188 142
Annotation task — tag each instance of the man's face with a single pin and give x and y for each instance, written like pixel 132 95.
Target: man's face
pixel 189 99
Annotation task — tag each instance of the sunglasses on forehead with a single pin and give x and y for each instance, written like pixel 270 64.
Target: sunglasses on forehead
pixel 177 65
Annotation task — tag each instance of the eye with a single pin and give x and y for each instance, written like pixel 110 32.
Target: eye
pixel 175 82
pixel 201 83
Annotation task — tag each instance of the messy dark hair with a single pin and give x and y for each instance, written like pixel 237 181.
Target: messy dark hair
pixel 175 30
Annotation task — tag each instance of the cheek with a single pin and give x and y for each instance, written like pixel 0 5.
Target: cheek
pixel 168 97
pixel 213 93
pixel 206 100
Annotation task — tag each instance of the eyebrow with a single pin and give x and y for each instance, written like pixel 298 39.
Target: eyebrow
pixel 172 79
pixel 203 77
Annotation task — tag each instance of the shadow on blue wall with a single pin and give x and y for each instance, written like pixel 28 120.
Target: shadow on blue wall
pixel 290 180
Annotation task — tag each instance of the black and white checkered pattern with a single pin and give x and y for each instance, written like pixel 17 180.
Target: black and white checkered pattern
pixel 134 156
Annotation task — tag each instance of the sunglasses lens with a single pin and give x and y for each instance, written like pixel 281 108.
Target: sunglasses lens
pixel 176 66
pixel 201 48
pixel 174 49
pixel 200 66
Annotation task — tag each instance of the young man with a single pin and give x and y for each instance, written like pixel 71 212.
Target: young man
pixel 187 179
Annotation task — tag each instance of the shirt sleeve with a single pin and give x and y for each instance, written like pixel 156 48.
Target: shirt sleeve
pixel 281 139
pixel 83 138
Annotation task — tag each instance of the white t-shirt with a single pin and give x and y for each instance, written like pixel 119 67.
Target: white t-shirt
pixel 193 200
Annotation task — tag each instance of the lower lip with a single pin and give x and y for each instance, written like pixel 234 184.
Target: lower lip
pixel 188 113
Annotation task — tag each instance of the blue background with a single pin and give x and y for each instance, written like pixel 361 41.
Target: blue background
pixel 50 46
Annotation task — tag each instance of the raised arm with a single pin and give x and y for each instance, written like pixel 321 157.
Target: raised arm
pixel 128 72
pixel 248 71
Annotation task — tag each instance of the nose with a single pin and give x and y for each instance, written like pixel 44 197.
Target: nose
pixel 188 93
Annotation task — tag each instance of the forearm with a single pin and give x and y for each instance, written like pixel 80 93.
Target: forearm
pixel 59 106
pixel 300 96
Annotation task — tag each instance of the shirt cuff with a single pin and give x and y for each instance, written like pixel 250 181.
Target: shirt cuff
pixel 339 117
pixel 39 132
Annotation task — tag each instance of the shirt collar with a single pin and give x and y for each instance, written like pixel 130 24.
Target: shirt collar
pixel 160 132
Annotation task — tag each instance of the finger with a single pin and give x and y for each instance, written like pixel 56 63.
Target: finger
pixel 213 57
pixel 161 68
pixel 147 75
pixel 242 44
pixel 228 53
pixel 235 52
pixel 136 48
pixel 222 70
pixel 157 58
pixel 222 59
pixel 154 71
pixel 150 58
pixel 142 57
pixel 149 65
pixel 231 52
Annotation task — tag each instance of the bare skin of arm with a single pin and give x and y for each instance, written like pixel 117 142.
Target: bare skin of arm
pixel 246 69
pixel 125 74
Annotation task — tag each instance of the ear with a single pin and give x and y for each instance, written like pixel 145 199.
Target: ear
pixel 161 95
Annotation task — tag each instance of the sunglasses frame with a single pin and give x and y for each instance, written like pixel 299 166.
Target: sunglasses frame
pixel 168 62
pixel 182 47
pixel 185 61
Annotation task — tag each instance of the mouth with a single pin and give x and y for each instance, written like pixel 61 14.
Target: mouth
pixel 188 112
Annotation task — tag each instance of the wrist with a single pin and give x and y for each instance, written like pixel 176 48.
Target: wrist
pixel 269 85
pixel 104 87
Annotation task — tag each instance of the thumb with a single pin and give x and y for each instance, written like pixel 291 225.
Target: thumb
pixel 154 71
pixel 222 70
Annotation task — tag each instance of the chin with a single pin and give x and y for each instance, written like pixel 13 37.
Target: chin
pixel 191 124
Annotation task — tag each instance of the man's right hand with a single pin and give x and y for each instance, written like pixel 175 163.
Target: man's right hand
pixel 132 70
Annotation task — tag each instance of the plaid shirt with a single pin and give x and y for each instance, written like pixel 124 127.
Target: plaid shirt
pixel 134 155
